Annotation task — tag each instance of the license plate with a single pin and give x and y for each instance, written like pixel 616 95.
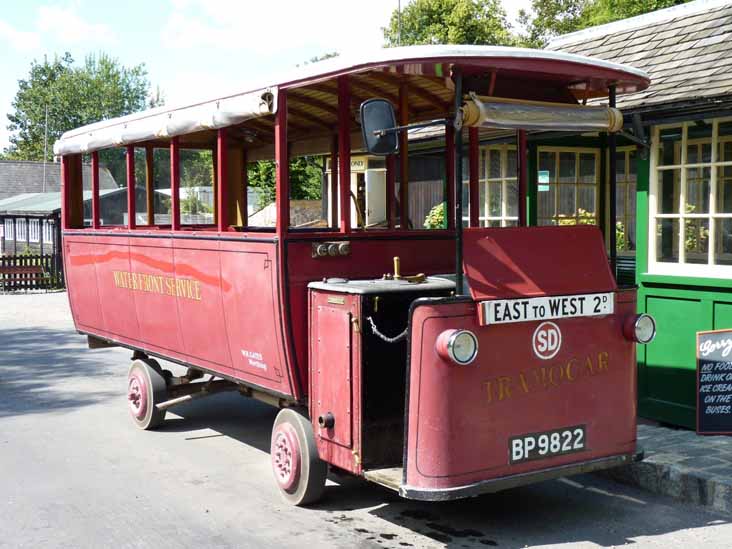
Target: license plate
pixel 548 444
pixel 502 311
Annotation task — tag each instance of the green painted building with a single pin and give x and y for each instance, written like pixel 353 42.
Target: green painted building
pixel 674 207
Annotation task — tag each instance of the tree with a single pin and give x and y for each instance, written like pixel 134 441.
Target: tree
pixel 556 17
pixel 450 22
pixel 72 96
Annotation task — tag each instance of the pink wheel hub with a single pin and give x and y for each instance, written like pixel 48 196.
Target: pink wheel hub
pixel 286 456
pixel 137 395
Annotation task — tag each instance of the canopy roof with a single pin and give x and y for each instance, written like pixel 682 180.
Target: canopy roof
pixel 515 73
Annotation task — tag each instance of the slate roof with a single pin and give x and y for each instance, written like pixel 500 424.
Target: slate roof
pixel 20 176
pixel 685 49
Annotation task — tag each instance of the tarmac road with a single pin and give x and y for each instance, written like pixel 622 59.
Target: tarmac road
pixel 75 472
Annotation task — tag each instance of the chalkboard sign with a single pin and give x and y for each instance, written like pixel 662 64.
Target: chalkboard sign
pixel 714 382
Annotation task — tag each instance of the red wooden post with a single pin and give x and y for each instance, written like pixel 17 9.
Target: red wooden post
pixel 174 184
pixel 404 156
pixel 131 196
pixel 523 177
pixel 450 174
pixel 473 159
pixel 222 178
pixel 149 184
pixel 391 190
pixel 245 195
pixel 65 193
pixel 344 151
pixel 95 189
pixel 334 182
pixel 282 162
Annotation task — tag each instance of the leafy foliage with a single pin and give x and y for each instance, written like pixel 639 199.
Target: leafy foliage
pixel 306 178
pixel 555 17
pixel 74 96
pixel 450 22
pixel 436 217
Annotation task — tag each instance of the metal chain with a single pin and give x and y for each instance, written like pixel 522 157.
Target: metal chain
pixel 385 337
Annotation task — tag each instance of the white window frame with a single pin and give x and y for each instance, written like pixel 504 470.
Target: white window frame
pixel 681 267
pixel 484 181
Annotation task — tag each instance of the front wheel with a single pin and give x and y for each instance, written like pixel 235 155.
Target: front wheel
pixel 298 470
pixel 145 388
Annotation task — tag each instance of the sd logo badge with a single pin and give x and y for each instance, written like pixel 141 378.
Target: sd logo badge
pixel 547 340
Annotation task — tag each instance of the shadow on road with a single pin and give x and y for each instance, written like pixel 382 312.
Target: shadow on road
pixel 41 370
pixel 554 512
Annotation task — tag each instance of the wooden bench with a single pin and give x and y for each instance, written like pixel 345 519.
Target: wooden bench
pixel 21 277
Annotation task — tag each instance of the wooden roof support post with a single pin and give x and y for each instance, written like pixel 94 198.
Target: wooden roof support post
pixel 244 209
pixel 334 222
pixel 344 151
pixel 95 190
pixel 523 177
pixel 131 196
pixel 450 174
pixel 404 156
pixel 223 181
pixel 149 185
pixel 391 190
pixel 612 183
pixel 175 184
pixel 282 165
pixel 473 181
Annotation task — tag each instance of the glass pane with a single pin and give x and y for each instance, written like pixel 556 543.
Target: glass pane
pixel 494 223
pixel 547 164
pixel 511 163
pixel 692 154
pixel 696 240
pixel 546 205
pixel 483 164
pixel 494 163
pixel 567 204
pixel 141 186
pixel 567 167
pixel 586 200
pixel 724 193
pixel 161 185
pixel 668 139
pixel 632 168
pixel 620 194
pixel 511 223
pixel 261 192
pixel 630 216
pixel 725 129
pixel 668 195
pixel 494 199
pixel 512 198
pixel 697 191
pixel 700 130
pixel 667 240
pixel 620 165
pixel 587 168
pixel 483 190
pixel 723 237
pixel 112 169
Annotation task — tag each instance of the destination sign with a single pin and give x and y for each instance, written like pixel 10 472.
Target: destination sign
pixel 502 311
pixel 714 382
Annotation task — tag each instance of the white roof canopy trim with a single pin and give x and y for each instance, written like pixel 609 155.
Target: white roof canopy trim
pixel 165 122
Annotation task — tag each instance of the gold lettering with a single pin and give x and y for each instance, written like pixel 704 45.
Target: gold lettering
pixel 524 385
pixel 589 366
pixel 489 389
pixel 504 387
pixel 568 369
pixel 602 360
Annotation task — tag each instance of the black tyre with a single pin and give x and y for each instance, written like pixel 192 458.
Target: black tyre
pixel 145 388
pixel 299 472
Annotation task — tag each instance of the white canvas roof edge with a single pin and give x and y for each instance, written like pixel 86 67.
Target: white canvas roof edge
pixel 261 100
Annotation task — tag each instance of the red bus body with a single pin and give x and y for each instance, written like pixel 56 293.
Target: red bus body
pixel 264 311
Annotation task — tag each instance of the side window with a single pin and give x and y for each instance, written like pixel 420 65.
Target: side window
pixel 197 190
pixel 112 187
pixel 261 190
pixel 309 197
pixel 568 183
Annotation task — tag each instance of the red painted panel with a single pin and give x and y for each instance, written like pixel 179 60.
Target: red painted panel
pixel 462 417
pixel 81 282
pixel 199 300
pixel 252 316
pixel 335 380
pixel 536 261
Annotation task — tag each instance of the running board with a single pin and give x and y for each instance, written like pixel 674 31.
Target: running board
pixel 390 477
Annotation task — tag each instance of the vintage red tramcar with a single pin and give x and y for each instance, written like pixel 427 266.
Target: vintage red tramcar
pixel 504 356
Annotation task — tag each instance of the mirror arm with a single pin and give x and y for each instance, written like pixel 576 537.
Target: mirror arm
pixel 397 129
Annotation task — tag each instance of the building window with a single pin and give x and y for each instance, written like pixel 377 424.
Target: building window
pixel 691 199
pixel 20 229
pixel 9 233
pixel 34 230
pixel 498 184
pixel 625 178
pixel 567 186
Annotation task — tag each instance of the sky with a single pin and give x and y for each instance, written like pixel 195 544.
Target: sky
pixel 191 48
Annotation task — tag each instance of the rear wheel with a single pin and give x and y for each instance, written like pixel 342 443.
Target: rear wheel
pixel 145 388
pixel 298 470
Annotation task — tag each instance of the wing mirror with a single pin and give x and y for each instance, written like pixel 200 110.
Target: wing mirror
pixel 379 127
